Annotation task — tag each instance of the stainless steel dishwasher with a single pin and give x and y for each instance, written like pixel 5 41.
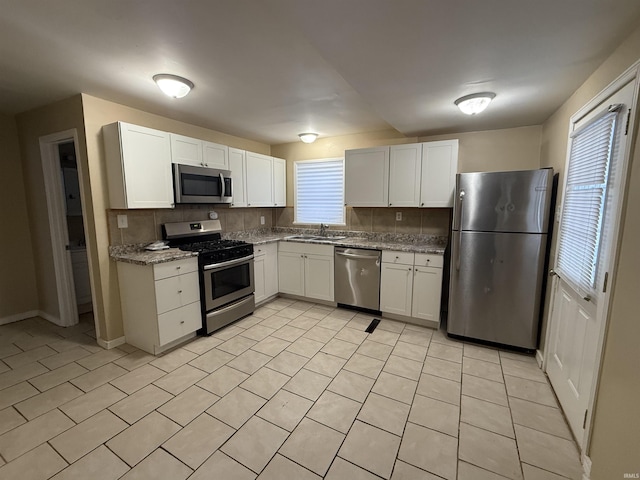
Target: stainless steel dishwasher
pixel 357 277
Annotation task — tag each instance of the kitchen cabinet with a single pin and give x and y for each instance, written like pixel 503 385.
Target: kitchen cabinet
pixel 366 177
pixel 237 165
pixel 199 153
pixel 138 162
pixel 405 167
pixel 265 271
pixel 279 182
pixel 439 168
pixel 306 270
pixel 160 303
pixel 411 286
pixel 265 180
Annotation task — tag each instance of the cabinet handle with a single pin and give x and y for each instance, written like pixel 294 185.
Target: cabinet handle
pixel 178 268
pixel 181 322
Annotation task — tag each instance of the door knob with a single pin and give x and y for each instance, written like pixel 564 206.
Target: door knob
pixel 553 273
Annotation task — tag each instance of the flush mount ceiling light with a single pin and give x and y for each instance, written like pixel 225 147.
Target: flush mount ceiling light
pixel 474 103
pixel 173 85
pixel 308 137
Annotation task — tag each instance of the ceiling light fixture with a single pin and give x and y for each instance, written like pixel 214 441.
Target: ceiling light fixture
pixel 474 103
pixel 308 137
pixel 173 85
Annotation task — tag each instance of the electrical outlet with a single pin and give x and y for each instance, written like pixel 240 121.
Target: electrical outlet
pixel 261 219
pixel 398 216
pixel 122 221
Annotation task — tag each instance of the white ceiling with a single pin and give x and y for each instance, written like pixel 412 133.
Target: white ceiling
pixel 270 69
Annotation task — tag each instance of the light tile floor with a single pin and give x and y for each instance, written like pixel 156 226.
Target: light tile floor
pixel 295 391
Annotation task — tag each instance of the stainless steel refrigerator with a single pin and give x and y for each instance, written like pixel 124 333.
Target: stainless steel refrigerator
pixel 498 249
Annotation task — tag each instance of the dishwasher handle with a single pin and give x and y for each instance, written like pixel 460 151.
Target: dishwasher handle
pixel 353 255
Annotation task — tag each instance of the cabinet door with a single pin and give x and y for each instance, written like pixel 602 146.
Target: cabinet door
pixel 396 284
pixel 146 157
pixel 259 180
pixel 439 168
pixel 186 150
pixel 366 177
pixel 318 277
pixel 427 285
pixel 259 278
pixel 215 155
pixel 405 166
pixel 291 273
pixel 237 166
pixel 279 182
pixel 271 269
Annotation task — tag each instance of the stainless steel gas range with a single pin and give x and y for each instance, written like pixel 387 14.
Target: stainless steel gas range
pixel 225 268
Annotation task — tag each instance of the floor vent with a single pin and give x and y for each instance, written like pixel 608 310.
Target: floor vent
pixel 372 326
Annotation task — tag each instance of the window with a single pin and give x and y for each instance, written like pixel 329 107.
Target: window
pixel 319 191
pixel 585 194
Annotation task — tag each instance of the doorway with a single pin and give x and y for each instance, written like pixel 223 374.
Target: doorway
pixel 595 176
pixel 64 192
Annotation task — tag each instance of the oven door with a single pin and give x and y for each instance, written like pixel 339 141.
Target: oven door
pixel 201 185
pixel 227 281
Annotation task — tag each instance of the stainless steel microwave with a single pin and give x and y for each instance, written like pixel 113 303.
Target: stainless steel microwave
pixel 201 185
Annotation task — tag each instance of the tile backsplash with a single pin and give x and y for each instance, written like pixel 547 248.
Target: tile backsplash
pixel 145 225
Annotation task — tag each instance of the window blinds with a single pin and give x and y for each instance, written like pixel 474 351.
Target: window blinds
pixel 319 191
pixel 584 201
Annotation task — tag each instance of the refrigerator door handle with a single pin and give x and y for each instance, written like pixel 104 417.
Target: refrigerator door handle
pixel 461 197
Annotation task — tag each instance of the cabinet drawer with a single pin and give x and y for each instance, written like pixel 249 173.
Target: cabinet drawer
pixel 175 292
pixel 429 260
pixel 177 267
pixel 402 258
pixel 179 322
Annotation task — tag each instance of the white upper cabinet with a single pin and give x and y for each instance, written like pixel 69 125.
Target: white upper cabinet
pixel 279 182
pixel 439 168
pixel 266 179
pixel 238 177
pixel 215 155
pixel 199 153
pixel 186 150
pixel 405 166
pixel 366 177
pixel 259 180
pixel 138 166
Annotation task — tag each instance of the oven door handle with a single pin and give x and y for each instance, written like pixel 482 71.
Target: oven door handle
pixel 227 264
pixel 223 189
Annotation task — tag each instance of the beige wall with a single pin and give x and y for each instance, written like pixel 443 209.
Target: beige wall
pixel 98 112
pixel 32 125
pixel 615 444
pixel 18 292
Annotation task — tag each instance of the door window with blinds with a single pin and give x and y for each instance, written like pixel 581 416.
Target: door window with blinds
pixel 585 195
pixel 319 191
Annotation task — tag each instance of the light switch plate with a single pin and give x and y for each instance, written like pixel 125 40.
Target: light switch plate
pixel 122 221
pixel 398 216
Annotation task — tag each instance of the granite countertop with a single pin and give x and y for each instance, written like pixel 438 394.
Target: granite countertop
pixel 379 241
pixel 138 255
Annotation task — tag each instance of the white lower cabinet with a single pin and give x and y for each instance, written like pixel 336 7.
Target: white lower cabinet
pixel 160 303
pixel 410 286
pixel 265 271
pixel 306 270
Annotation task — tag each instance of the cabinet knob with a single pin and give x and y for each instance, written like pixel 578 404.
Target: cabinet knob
pixel 390 204
pixel 397 257
pixel 409 268
pixel 428 260
pixel 422 204
pixel 178 268
pixel 181 322
pixel 179 291
pixel 248 204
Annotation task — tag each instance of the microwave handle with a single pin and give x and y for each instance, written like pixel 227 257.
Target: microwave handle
pixel 222 187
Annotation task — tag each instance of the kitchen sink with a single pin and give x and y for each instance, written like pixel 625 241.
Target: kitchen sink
pixel 317 238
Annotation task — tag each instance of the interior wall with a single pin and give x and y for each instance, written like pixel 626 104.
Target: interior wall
pixel 99 112
pixel 614 439
pixel 18 293
pixel 32 125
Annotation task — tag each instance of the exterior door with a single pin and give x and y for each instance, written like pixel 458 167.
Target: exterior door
pixel 579 302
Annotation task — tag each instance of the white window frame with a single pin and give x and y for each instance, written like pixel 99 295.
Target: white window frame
pixel 295 191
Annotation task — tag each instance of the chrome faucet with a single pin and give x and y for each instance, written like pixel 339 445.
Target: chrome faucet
pixel 323 229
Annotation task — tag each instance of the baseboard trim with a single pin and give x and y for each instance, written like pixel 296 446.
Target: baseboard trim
pixel 16 317
pixel 51 318
pixel 109 344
